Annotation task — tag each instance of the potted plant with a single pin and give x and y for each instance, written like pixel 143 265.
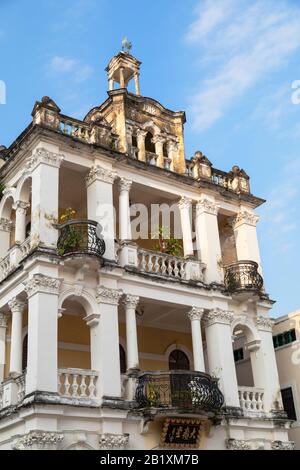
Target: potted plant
pixel 71 238
pixel 166 244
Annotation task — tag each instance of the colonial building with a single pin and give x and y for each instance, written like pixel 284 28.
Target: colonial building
pixel 116 325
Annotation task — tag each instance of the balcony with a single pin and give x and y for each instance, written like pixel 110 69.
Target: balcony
pixel 181 389
pixel 80 237
pixel 251 400
pixel 77 383
pixel 243 276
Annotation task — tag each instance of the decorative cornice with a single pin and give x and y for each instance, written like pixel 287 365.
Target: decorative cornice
pixel 217 315
pixel 245 217
pixel 237 444
pixel 113 441
pixel 131 301
pixel 281 445
pixel 196 313
pixel 42 155
pixel 41 283
pixel 3 320
pixel 124 184
pixel 108 296
pixel 6 225
pixel 16 305
pixel 265 323
pixel 39 440
pixel 97 173
pixel 205 205
pixel 185 203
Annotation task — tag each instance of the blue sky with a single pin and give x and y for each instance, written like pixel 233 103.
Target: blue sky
pixel 229 63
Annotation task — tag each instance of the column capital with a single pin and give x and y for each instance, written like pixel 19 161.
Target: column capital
pixel 141 134
pixel 125 184
pixel 97 173
pixel 130 301
pixel 196 313
pixel 185 203
pixel 265 323
pixel 16 305
pixel 42 283
pixel 105 295
pixel 42 155
pixel 217 315
pixel 21 206
pixel 159 139
pixel 172 146
pixel 207 206
pixel 3 320
pixel 246 217
pixel 6 225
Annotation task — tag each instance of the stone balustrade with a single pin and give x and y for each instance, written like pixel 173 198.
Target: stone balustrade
pixel 12 391
pixel 5 267
pixel 251 399
pixel 154 262
pixel 77 383
pixel 75 129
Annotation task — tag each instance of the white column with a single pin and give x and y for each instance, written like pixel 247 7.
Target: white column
pixel 137 84
pixel 5 231
pixel 16 308
pixel 195 315
pixel 208 239
pixel 45 166
pixel 124 210
pixel 3 326
pixel 130 303
pixel 266 362
pixel 100 205
pixel 42 294
pixel 141 135
pixel 185 205
pixel 159 141
pixel 220 353
pixel 110 84
pixel 105 354
pixel 246 241
pixel 21 211
pixel 173 154
pixel 122 80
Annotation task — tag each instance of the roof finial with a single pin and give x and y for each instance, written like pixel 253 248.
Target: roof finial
pixel 126 45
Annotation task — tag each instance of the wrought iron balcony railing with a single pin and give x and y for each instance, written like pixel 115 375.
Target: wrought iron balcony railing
pixel 180 389
pixel 243 276
pixel 80 237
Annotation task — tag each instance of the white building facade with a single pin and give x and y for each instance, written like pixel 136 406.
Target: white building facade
pixel 109 340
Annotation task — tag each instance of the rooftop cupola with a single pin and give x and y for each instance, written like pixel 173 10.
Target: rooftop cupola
pixel 123 67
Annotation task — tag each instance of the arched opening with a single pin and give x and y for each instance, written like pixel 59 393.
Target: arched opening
pixel 24 353
pixel 242 356
pixel 178 360
pixel 123 364
pixel 25 195
pixel 149 145
pixel 165 150
pixel 7 213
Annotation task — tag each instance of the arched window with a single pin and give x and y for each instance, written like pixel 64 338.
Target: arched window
pixel 123 365
pixel 178 360
pixel 165 150
pixel 149 145
pixel 24 353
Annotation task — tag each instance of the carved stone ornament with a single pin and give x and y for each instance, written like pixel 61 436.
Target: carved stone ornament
pixel 16 305
pixel 264 323
pixel 3 320
pixel 245 217
pixel 41 283
pixel 21 207
pixel 196 313
pixel 131 301
pixel 124 184
pixel 39 440
pixel 6 225
pixel 113 441
pixel 42 155
pixel 237 444
pixel 185 203
pixel 217 315
pixel 280 445
pixel 205 205
pixel 108 296
pixel 100 174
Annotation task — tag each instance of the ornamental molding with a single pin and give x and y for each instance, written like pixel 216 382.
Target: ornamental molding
pixel 237 444
pixel 131 301
pixel 245 217
pixel 46 157
pixel 3 320
pixel 125 184
pixel 281 445
pixel 6 225
pixel 113 441
pixel 196 313
pixel 265 323
pixel 21 207
pixel 43 440
pixel 97 173
pixel 108 296
pixel 41 283
pixel 16 305
pixel 207 206
pixel 217 315
pixel 159 139
pixel 185 203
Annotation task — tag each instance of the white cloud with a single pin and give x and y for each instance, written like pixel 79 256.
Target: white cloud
pixel 59 65
pixel 242 42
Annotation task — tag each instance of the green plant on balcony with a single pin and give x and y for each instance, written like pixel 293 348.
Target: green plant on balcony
pixel 152 394
pixel 166 244
pixel 72 238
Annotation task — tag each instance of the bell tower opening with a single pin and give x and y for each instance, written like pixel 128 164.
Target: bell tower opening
pixel 123 68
